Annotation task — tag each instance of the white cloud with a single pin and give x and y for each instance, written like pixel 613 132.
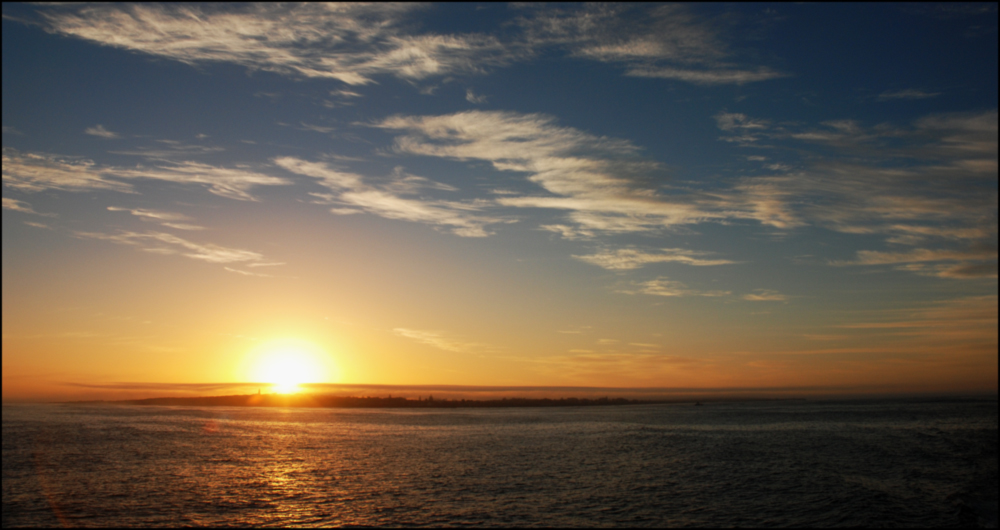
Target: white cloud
pixel 168 219
pixel 594 178
pixel 979 261
pixel 708 77
pixel 351 194
pixel 18 206
pixel 150 214
pixel 37 172
pixel 667 42
pixel 630 258
pixel 437 339
pixel 910 93
pixel 163 243
pixel 765 295
pixel 665 287
pixel 471 97
pixel 931 183
pixel 99 130
pixel 246 273
pixel 347 42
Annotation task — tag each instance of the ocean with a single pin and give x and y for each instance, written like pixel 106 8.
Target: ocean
pixel 894 463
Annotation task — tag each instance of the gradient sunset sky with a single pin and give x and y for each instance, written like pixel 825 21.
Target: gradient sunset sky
pixel 714 196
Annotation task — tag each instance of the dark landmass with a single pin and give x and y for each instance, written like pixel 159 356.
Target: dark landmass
pixel 321 401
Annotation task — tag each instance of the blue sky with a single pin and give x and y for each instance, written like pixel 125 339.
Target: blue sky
pixel 751 195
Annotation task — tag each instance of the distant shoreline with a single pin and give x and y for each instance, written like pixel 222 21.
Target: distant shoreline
pixel 326 401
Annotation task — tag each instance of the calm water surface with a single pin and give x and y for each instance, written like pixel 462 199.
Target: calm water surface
pixel 889 463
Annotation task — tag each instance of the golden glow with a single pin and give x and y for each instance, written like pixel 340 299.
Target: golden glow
pixel 287 364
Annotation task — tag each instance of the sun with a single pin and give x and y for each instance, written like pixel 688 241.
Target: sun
pixel 288 364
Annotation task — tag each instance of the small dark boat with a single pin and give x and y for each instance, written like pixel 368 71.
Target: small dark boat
pixel 697 403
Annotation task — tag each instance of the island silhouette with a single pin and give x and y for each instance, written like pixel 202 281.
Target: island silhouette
pixel 331 401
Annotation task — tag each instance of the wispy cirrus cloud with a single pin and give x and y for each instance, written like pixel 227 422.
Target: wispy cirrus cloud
pixel 164 243
pixel 399 198
pixel 949 327
pixel 765 295
pixel 20 206
pixel 438 340
pixel 348 42
pixel 667 42
pixel 929 183
pixel 979 261
pixel 99 130
pixel 169 219
pixel 595 179
pixel 666 287
pixel 909 93
pixel 473 98
pixel 631 258
pixel 36 172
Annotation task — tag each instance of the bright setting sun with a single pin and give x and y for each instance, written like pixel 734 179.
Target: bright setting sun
pixel 287 364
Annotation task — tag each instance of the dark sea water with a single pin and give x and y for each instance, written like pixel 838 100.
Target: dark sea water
pixel 791 463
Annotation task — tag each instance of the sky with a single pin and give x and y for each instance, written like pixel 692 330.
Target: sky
pixel 726 197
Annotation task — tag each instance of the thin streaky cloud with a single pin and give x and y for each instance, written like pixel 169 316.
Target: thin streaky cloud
pixel 154 241
pixel 20 206
pixel 765 295
pixel 247 273
pixel 667 42
pixel 150 214
pixel 671 288
pixel 592 178
pixel 38 172
pixel 910 93
pixel 99 130
pixel 471 97
pixel 710 77
pixel 438 340
pixel 347 42
pixel 168 219
pixel 630 258
pixel 397 198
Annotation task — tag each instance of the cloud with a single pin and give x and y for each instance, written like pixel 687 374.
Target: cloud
pixel 163 243
pixel 710 77
pixel 395 199
pixel 666 287
pixel 348 42
pixel 931 183
pixel 598 180
pixel 99 130
pixel 909 93
pixel 979 261
pixel 437 340
pixel 165 218
pixel 765 295
pixel 19 206
pixel 171 151
pixel 246 273
pixel 630 258
pixel 471 97
pixel 734 121
pixel 150 214
pixel 37 172
pixel 667 42
pixel 948 326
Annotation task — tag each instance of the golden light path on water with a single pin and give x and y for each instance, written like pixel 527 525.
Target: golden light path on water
pixel 286 364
